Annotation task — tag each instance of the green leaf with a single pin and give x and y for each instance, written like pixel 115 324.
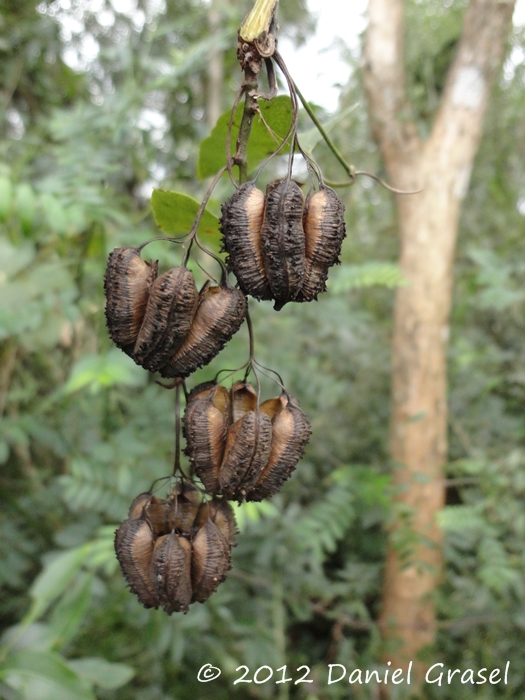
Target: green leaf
pixel 6 197
pixel 246 512
pixel 70 611
pixel 309 139
pixel 54 213
pixel 102 673
pixel 101 371
pixel 49 668
pixel 277 114
pixel 175 213
pixel 55 579
pixel 349 277
pixel 25 205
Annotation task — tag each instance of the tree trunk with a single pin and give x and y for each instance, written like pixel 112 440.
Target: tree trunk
pixel 428 224
pixel 215 68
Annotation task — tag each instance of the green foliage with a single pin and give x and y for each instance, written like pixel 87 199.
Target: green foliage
pixel 175 213
pixel 83 430
pixel 268 131
pixel 350 277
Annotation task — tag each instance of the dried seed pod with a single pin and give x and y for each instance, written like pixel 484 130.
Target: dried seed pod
pixel 219 316
pixel 241 222
pixel 220 512
pixel 171 572
pixel 290 432
pixel 160 515
pixel 324 228
pixel 210 561
pixel 246 453
pixel 169 314
pixel 134 549
pixel 283 240
pixel 185 501
pixel 243 399
pixel 127 283
pixel 206 422
pixel 137 506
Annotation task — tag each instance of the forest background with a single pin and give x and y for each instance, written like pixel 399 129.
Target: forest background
pixel 83 430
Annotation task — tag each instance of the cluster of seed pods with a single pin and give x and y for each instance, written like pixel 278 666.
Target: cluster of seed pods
pixel 176 551
pixel 281 246
pixel 238 448
pixel 164 323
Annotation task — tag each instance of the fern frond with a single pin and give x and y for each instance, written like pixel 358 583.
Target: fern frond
pixel 356 276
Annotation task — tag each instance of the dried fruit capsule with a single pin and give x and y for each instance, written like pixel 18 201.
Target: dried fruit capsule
pixel 241 222
pixel 324 228
pixel 283 240
pixel 127 284
pixel 185 501
pixel 206 422
pixel 246 453
pixel 167 321
pixel 160 515
pixel 290 432
pixel 243 399
pixel 220 512
pixel 137 506
pixel 210 561
pixel 219 315
pixel 134 549
pixel 171 572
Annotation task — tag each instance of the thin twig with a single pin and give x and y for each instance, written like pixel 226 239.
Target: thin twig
pixel 349 169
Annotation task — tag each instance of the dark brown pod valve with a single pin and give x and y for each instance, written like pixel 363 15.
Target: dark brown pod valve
pixel 324 227
pixel 172 304
pixel 291 431
pixel 241 222
pixel 134 541
pixel 219 316
pixel 127 283
pixel 283 240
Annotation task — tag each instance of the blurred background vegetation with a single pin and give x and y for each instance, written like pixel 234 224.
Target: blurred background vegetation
pixel 100 101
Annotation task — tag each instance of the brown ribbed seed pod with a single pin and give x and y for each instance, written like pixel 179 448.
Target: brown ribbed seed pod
pixel 241 222
pixel 171 572
pixel 205 425
pixel 246 453
pixel 243 399
pixel 290 432
pixel 185 501
pixel 127 283
pixel 137 506
pixel 324 228
pixel 210 561
pixel 167 321
pixel 283 240
pixel 219 316
pixel 220 512
pixel 134 549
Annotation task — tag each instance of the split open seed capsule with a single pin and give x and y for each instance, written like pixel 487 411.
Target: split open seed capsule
pixel 241 222
pixel 210 561
pixel 172 304
pixel 206 422
pixel 220 512
pixel 283 240
pixel 127 285
pixel 219 315
pixel 134 541
pixel 324 228
pixel 290 432
pixel 246 452
pixel 170 572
